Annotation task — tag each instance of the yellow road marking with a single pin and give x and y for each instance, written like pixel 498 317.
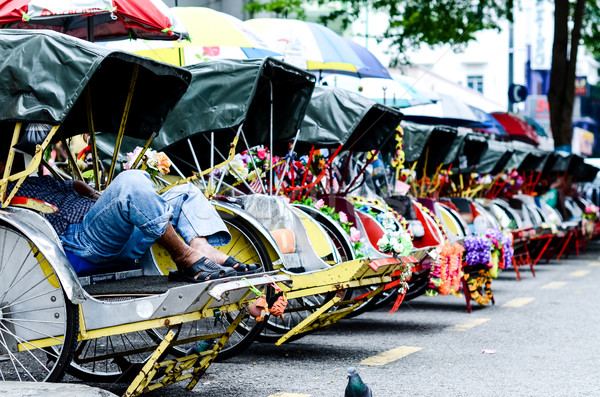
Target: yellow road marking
pixel 579 273
pixel 289 395
pixel 390 355
pixel 554 285
pixel 470 324
pixel 518 302
pixel 594 263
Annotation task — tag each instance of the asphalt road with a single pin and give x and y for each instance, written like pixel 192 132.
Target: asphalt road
pixel 540 339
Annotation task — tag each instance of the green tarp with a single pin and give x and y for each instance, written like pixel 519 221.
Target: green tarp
pixel 527 157
pixel 43 75
pixel 495 157
pixel 227 93
pixel 336 116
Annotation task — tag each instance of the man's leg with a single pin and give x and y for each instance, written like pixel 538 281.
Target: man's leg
pixel 128 209
pixel 200 225
pixel 197 221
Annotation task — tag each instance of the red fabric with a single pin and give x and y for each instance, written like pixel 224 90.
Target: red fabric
pixel 12 10
pixel 517 128
pixel 141 14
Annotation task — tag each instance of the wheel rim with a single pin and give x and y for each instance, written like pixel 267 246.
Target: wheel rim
pixel 245 249
pixel 36 333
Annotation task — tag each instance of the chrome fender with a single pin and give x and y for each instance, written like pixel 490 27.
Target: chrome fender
pixel 255 225
pixel 41 233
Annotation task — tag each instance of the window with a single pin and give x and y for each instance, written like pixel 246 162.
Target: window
pixel 475 82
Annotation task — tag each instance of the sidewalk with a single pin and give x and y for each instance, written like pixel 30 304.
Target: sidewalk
pixel 19 389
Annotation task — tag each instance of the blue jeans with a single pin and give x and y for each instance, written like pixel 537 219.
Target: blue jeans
pixel 130 216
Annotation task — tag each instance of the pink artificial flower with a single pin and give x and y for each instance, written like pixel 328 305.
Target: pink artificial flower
pixel 261 153
pixel 354 234
pixel 211 51
pixel 319 204
pixel 343 217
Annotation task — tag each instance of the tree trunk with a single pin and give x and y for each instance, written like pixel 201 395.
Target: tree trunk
pixel 561 95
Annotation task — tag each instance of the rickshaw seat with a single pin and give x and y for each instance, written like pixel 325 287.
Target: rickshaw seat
pixel 85 268
pixel 33 204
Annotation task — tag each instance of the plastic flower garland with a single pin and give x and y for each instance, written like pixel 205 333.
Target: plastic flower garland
pixel 508 249
pixel 399 244
pixel 156 163
pixel 591 212
pixel 394 241
pixel 342 219
pixel 399 155
pixel 361 202
pixel 446 272
pixel 476 283
pixel 478 250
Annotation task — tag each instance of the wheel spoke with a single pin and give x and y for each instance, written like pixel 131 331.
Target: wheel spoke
pixel 28 299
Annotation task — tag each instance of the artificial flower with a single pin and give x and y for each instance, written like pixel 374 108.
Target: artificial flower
pixel 343 217
pixel 319 204
pixel 354 234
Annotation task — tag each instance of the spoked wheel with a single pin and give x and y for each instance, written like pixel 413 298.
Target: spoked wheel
pixel 334 231
pixel 38 324
pixel 112 359
pixel 246 247
pixel 344 248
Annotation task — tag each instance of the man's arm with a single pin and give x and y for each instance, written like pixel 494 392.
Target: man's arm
pixel 85 190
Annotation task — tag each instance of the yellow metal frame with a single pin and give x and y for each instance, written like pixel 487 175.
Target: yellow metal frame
pixel 20 176
pixel 343 276
pixel 190 367
pixel 121 132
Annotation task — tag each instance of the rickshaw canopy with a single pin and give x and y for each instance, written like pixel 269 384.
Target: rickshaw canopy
pixel 225 94
pixel 339 117
pixel 417 137
pixel 43 76
pixel 495 157
pixel 527 157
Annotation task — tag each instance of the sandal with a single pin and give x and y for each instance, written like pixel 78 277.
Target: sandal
pixel 239 267
pixel 202 270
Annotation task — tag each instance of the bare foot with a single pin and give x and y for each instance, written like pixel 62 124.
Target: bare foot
pixel 201 245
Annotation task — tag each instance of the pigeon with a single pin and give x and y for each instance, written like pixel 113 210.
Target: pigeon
pixel 356 387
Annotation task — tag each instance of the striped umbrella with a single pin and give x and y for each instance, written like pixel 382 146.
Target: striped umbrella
pixel 94 19
pixel 308 45
pixel 212 35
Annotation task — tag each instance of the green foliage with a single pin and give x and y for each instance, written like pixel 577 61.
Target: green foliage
pixel 282 8
pixel 589 32
pixel 412 22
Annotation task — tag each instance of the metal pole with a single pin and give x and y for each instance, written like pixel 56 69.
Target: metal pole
pixel 511 53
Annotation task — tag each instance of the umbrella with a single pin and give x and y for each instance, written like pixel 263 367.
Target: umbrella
pixel 94 19
pixel 389 92
pixel 309 45
pixel 491 125
pixel 446 110
pixel 372 68
pixel 212 35
pixel 517 128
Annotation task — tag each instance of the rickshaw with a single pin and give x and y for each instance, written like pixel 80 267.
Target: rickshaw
pixel 51 320
pixel 266 111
